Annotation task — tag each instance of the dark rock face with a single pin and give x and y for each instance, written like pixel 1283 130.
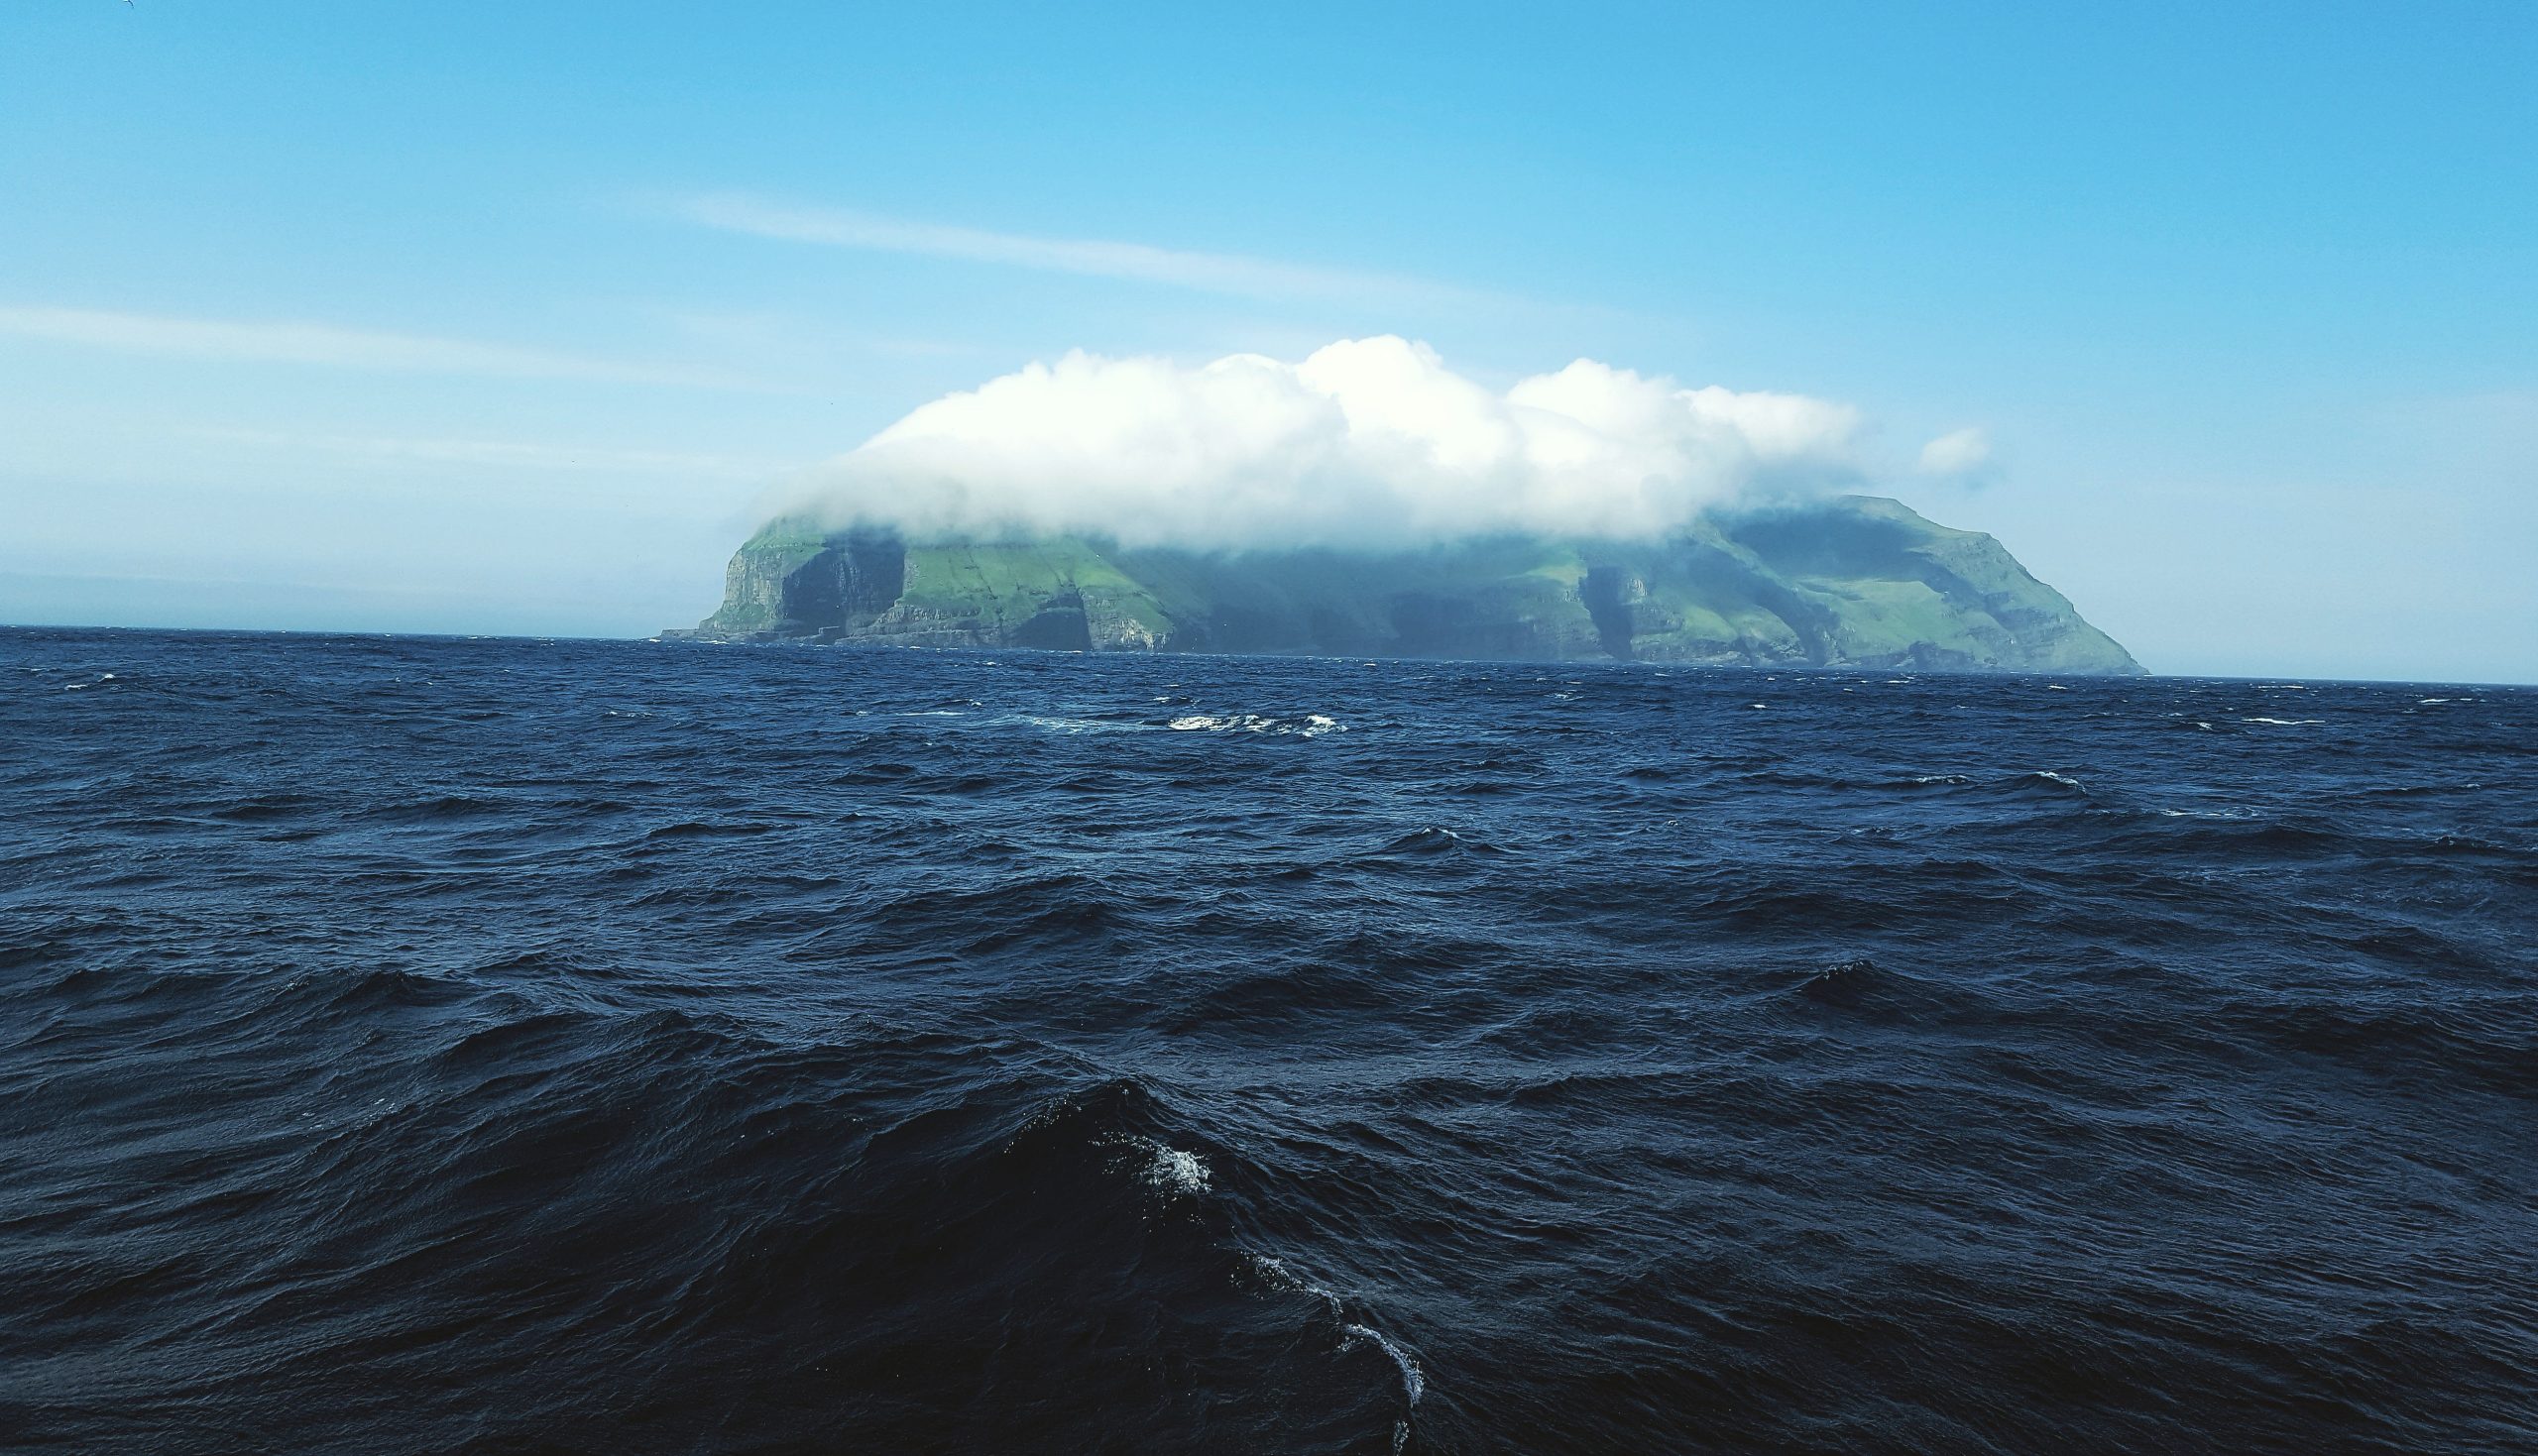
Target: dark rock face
pixel 849 583
pixel 793 586
pixel 1854 581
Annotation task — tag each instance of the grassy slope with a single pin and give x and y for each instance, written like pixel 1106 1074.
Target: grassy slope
pixel 1856 580
pixel 1008 584
pixel 1334 602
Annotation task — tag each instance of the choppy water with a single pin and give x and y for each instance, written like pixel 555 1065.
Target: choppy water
pixel 444 1046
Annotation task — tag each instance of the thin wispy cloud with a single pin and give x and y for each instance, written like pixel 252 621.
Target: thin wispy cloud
pixel 1214 272
pixel 764 335
pixel 331 346
pixel 505 455
pixel 1959 455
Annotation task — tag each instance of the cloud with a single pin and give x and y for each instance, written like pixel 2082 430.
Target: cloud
pixel 1216 272
pixel 326 345
pixel 1958 455
pixel 504 455
pixel 1365 442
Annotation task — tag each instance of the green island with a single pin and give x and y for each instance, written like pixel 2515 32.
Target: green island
pixel 1854 581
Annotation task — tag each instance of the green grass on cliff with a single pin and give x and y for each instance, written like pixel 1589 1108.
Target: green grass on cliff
pixel 788 533
pixel 1014 582
pixel 1882 617
pixel 1855 579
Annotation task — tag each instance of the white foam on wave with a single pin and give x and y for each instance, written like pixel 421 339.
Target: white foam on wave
pixel 1413 1384
pixel 2064 779
pixel 1077 724
pixel 1414 1381
pixel 1311 726
pixel 2286 721
pixel 1174 1170
pixel 1277 1272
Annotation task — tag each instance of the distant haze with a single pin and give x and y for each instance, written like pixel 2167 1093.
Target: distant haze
pixel 1365 442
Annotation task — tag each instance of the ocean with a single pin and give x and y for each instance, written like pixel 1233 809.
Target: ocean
pixel 421 1045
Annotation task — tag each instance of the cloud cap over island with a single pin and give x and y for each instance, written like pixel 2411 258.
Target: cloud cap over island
pixel 1367 443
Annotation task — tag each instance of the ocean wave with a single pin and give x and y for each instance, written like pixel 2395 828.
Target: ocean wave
pixel 1077 724
pixel 404 1055
pixel 1414 1382
pixel 1173 1169
pixel 1436 839
pixel 1305 725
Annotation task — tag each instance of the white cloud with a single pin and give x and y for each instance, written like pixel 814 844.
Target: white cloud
pixel 1221 272
pixel 1959 454
pixel 1367 441
pixel 324 345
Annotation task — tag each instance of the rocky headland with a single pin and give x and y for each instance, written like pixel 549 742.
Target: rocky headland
pixel 1851 582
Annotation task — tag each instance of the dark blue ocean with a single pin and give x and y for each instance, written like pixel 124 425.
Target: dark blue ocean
pixel 442 1046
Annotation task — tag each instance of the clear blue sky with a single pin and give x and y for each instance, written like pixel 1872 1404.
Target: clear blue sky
pixel 467 316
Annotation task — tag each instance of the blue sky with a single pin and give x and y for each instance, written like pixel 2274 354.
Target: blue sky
pixel 505 318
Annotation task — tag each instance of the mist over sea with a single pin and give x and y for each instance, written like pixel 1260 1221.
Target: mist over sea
pixel 419 1044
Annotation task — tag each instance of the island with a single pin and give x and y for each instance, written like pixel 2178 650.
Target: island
pixel 1853 581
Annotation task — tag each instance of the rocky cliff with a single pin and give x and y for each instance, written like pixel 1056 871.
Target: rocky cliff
pixel 1856 581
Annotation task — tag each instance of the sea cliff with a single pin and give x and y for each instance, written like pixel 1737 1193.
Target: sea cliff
pixel 1852 582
